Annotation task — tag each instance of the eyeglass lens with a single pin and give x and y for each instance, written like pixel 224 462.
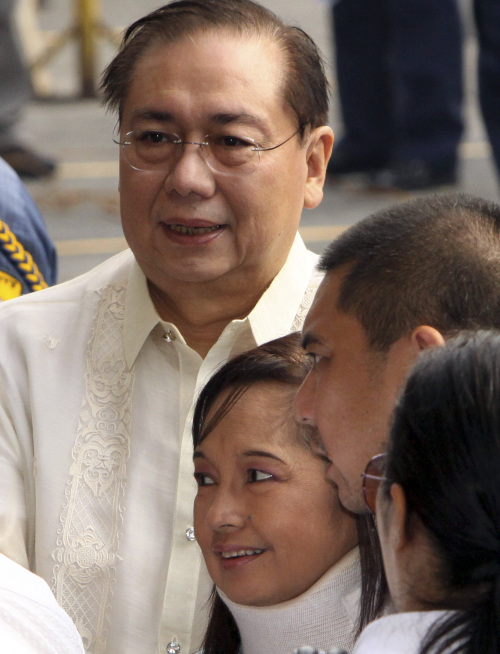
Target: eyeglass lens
pixel 373 475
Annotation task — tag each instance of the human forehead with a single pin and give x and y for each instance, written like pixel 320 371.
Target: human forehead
pixel 264 411
pixel 327 326
pixel 212 74
pixel 318 322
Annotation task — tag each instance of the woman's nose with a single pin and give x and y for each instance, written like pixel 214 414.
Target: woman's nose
pixel 227 510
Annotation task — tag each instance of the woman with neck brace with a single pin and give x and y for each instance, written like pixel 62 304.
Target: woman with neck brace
pixel 282 552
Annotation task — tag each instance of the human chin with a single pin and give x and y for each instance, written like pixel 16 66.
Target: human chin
pixel 259 591
pixel 351 497
pixel 248 583
pixel 188 266
pixel 346 493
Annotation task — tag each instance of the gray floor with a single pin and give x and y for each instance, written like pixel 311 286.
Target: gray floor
pixel 80 204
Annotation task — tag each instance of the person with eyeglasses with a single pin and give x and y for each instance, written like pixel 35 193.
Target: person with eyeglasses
pixel 436 496
pixel 223 140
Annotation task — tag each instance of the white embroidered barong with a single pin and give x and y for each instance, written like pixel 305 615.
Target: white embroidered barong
pixel 96 484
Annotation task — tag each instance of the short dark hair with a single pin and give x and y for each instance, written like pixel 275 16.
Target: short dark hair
pixel 305 89
pixel 433 260
pixel 444 450
pixel 284 361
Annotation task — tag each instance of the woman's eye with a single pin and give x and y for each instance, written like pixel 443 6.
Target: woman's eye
pixel 258 475
pixel 202 479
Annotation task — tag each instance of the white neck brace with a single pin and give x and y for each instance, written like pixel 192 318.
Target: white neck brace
pixel 324 616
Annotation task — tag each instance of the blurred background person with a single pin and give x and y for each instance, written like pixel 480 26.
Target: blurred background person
pixel 279 547
pixel 15 91
pixel 438 505
pixel 28 258
pixel 487 18
pixel 399 75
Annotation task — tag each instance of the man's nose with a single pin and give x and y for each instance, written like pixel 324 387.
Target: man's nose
pixel 304 401
pixel 189 173
pixel 227 511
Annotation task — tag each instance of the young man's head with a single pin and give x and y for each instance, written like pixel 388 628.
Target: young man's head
pixel 398 282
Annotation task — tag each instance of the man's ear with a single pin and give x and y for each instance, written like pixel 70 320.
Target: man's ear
pixel 425 337
pixel 318 153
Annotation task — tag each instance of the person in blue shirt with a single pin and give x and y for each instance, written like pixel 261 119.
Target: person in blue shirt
pixel 28 259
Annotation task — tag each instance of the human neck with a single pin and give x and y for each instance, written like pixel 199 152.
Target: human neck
pixel 324 616
pixel 201 312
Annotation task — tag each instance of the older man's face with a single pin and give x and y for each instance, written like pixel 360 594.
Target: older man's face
pixel 189 223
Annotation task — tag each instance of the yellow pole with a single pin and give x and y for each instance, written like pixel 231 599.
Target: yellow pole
pixel 87 20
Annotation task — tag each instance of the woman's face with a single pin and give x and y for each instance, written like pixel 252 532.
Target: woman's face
pixel 268 522
pixel 409 559
pixel 388 533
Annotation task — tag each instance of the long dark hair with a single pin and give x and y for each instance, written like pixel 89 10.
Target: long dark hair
pixel 445 453
pixel 282 360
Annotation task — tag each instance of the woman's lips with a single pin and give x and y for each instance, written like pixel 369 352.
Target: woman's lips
pixel 244 552
pixel 232 557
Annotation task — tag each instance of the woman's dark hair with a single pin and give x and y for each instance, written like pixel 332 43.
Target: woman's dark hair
pixel 284 361
pixel 305 86
pixel 445 452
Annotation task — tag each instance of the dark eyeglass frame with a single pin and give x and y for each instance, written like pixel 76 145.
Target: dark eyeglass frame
pixel 371 481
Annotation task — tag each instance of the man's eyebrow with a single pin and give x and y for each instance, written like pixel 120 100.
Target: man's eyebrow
pixel 152 114
pixel 197 454
pixel 310 339
pixel 263 453
pixel 223 118
pixel 243 118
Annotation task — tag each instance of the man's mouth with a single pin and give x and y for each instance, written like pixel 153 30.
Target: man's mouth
pixel 237 553
pixel 193 231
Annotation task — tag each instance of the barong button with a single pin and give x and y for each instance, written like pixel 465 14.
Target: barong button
pixel 173 647
pixel 190 535
pixel 169 336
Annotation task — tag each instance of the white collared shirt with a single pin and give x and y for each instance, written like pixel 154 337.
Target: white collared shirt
pixel 96 484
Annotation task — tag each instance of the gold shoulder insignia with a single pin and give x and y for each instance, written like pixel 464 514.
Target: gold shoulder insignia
pixel 10 287
pixel 21 258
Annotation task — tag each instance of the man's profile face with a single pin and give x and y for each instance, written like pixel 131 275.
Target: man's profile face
pixel 350 393
pixel 188 223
